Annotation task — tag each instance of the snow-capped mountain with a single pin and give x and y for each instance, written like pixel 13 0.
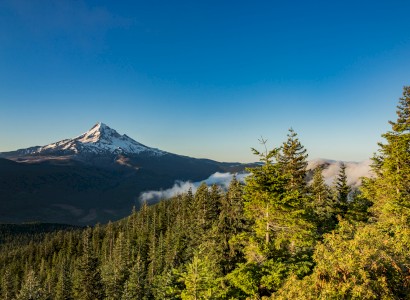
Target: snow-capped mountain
pixel 100 139
pixel 95 177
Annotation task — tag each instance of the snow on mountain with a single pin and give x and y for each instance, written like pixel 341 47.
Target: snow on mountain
pixel 100 139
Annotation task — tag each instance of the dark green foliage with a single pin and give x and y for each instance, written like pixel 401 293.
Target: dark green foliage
pixel 31 288
pixel 89 285
pixel 342 190
pixel 281 234
pixel 64 284
pixel 7 290
pixel 367 256
pixel 292 159
pixel 276 237
pixel 323 204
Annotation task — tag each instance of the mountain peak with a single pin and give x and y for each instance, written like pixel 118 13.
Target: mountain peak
pixel 100 139
pixel 98 132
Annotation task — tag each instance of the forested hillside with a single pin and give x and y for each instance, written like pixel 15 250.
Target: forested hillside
pixel 275 237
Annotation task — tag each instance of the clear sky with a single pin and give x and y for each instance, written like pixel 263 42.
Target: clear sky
pixel 204 78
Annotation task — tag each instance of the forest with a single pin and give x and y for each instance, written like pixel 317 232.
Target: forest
pixel 277 236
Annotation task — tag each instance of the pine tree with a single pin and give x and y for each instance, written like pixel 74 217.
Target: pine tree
pixel 200 279
pixel 368 260
pixel 90 285
pixel 392 165
pixel 7 291
pixel 292 159
pixel 282 235
pixel 64 285
pixel 31 288
pixel 342 190
pixel 322 204
pixel 134 287
pixel 277 208
pixel 231 222
pixel 117 269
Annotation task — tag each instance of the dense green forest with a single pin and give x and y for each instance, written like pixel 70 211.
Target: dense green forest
pixel 275 237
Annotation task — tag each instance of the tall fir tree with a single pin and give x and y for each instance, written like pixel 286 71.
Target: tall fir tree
pixel 292 159
pixel 282 234
pixel 392 165
pixel 323 204
pixel 116 270
pixel 89 286
pixel 342 190
pixel 134 287
pixel 200 279
pixel 31 288
pixel 64 285
pixel 277 208
pixel 7 290
pixel 369 260
pixel 231 222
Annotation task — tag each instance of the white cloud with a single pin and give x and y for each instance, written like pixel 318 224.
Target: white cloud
pixel 180 187
pixel 354 170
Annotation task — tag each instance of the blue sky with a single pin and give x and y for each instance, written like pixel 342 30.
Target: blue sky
pixel 204 78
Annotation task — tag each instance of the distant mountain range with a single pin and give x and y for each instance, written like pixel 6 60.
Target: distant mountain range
pixel 94 177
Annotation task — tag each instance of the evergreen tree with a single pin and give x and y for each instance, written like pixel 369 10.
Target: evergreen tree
pixel 31 288
pixel 342 190
pixel 90 286
pixel 292 159
pixel 64 286
pixel 369 261
pixel 117 269
pixel 322 204
pixel 203 207
pixel 392 165
pixel 168 286
pixel 231 222
pixel 354 263
pixel 200 279
pixel 7 290
pixel 134 287
pixel 278 212
pixel 281 236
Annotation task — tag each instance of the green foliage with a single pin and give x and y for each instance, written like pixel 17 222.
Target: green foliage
pixel 292 159
pixel 7 292
pixel 323 204
pixel 342 190
pixel 277 236
pixel 89 286
pixel 64 285
pixel 200 279
pixel 354 263
pixel 31 288
pixel 391 187
pixel 246 277
pixel 276 210
pixel 134 287
pixel 281 236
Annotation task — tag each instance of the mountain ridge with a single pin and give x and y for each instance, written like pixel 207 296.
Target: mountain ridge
pixel 94 177
pixel 100 139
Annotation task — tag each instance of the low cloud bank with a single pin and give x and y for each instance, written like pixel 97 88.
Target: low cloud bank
pixel 354 170
pixel 180 187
